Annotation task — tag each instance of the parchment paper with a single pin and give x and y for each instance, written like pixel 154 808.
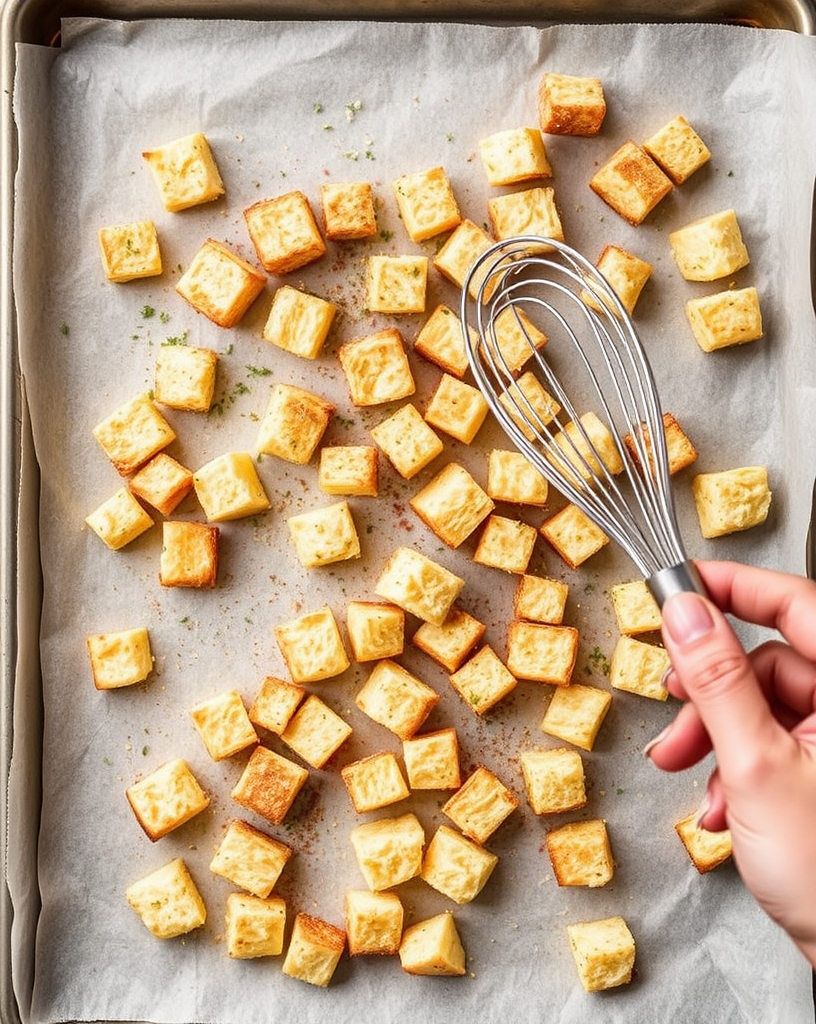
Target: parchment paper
pixel 288 106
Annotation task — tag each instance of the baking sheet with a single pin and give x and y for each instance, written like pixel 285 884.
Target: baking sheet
pixel 279 104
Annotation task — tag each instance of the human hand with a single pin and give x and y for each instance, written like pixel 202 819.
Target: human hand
pixel 758 712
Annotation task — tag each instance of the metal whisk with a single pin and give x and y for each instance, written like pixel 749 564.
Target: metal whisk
pixel 596 429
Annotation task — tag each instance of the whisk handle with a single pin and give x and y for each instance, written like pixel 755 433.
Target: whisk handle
pixel 676 579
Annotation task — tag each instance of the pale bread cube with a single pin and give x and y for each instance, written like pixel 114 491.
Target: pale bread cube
pixel 162 482
pixel 455 259
pixel 452 504
pixel 375 630
pixel 376 368
pixel 348 210
pixel 433 948
pixel 483 680
pixel 707 850
pixel 223 724
pixel 373 922
pixel 228 487
pixel 528 404
pixel 269 784
pixel 580 443
pixel 638 667
pixel 728 318
pixel 389 850
pixel 678 149
pixel 570 104
pixel 185 172
pixel 249 858
pixel 709 248
pixel 254 926
pixel 189 555
pixel 679 449
pixel 576 713
pixel 531 212
pixel 514 155
pixel 133 434
pixel 219 284
pixel 426 203
pixel 604 953
pixel 512 478
pixel 323 536
pixel 542 652
pixel 573 535
pixel 299 322
pixel 396 698
pixel 275 703
pixel 451 641
pixel 120 659
pixel 375 781
pixel 505 544
pixel 130 251
pixel 119 520
pixel 441 341
pixel 284 232
pixel 407 441
pixel 456 866
pixel 166 798
pixel 636 610
pixel 293 424
pixel 396 284
pixel 419 585
pixel 456 408
pixel 516 338
pixel 553 779
pixel 580 854
pixel 349 469
pixel 731 500
pixel 314 950
pixel 631 183
pixel 626 275
pixel 312 647
pixel 480 805
pixel 432 760
pixel 168 901
pixel 315 732
pixel 540 599
pixel 185 377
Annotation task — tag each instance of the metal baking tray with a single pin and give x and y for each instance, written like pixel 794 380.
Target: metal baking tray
pixel 38 22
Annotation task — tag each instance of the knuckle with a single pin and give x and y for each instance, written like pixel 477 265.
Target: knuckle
pixel 719 673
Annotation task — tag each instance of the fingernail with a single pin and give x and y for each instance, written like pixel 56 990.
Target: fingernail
pixel 657 739
pixel 687 618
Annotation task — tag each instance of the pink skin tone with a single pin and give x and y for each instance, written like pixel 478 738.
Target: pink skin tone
pixel 758 713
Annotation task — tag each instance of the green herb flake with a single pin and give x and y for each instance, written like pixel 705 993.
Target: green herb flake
pixel 259 371
pixel 148 312
pixel 65 330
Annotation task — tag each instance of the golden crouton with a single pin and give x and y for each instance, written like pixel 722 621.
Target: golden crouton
pixel 249 858
pixel 223 724
pixel 396 698
pixel 389 850
pixel 119 520
pixel 638 667
pixel 480 805
pixel 373 922
pixel 219 284
pixel 426 203
pixel 133 433
pixel 162 482
pixel 456 866
pixel 678 149
pixel 681 452
pixel 293 424
pixel 284 232
pixel 374 782
pixel 540 599
pixel 483 680
pixel 323 536
pixel 433 948
pixel 396 284
pixel 315 732
pixel 312 647
pixel 269 784
pixel 511 477
pixel 580 442
pixel 452 504
pixel 432 760
pixel 275 703
pixel 185 172
pixel 376 368
pixel 580 854
pixel 185 377
pixel 626 275
pixel 709 248
pixel 349 469
pixel 299 322
pixel 576 713
pixel 516 339
pixel 604 953
pixel 407 441
pixel 314 950
pixel 573 535
pixel 542 652
pixel 553 779
pixel 348 210
pixel 130 251
pixel 168 901
pixel 707 850
pixel 119 659
pixel 463 247
pixel 456 408
pixel 189 555
pixel 531 212
pixel 254 926
pixel 636 610
pixel 527 402
pixel 505 544
pixel 570 105
pixel 514 155
pixel 451 641
pixel 375 630
pixel 166 798
pixel 731 500
pixel 631 183
pixel 228 487
pixel 441 341
pixel 727 318
pixel 419 585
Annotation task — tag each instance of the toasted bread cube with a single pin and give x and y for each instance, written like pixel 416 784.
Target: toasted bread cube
pixel 580 854
pixel 349 469
pixel 604 953
pixel 426 203
pixel 119 520
pixel 375 781
pixel 681 452
pixel 275 703
pixel 731 500
pixel 396 698
pixel 314 950
pixel 294 423
pixel 631 183
pixel 189 555
pixel 389 850
pixel 133 434
pixel 709 248
pixel 451 641
pixel 512 478
pixel 441 341
pixel 707 850
pixel 228 487
pixel 540 599
pixel 223 724
pixel 457 409
pixel 517 338
pixel 456 866
pixel 483 680
pixel 185 377
pixel 373 922
pixel 250 859
pixel 433 948
pixel 419 585
pixel 570 105
pixel 626 275
pixel 432 760
pixel 254 926
pixel 455 259
pixel 315 732
pixel 162 482
pixel 119 659
pixel 553 779
pixel 396 284
pixel 219 284
pixel 299 322
pixel 376 630
pixel 506 544
pixel 376 368
pixel 580 442
pixel 514 155
pixel 168 901
pixel 284 232
pixel 528 404
pixel 312 647
pixel 166 798
pixel 185 172
pixel 348 210
pixel 576 713
pixel 130 251
pixel 323 536
pixel 543 652
pixel 638 667
pixel 452 504
pixel 727 318
pixel 678 149
pixel 407 440
pixel 636 610
pixel 573 535
pixel 481 804
pixel 531 212
pixel 269 784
